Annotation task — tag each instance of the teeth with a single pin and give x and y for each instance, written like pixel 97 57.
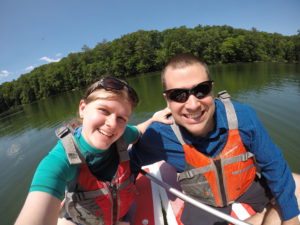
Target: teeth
pixel 193 116
pixel 105 133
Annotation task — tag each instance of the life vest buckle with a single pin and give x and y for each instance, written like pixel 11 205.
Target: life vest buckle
pixel 62 131
pixel 223 95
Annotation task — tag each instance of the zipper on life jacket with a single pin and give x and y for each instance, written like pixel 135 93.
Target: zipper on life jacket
pixel 219 173
pixel 113 191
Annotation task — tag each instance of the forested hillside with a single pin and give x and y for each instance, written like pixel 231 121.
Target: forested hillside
pixel 147 51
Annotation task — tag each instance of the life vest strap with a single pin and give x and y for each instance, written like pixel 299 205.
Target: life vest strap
pixel 126 182
pixel 243 170
pixel 79 196
pixel 243 157
pixel 123 156
pixel 122 150
pixel 230 112
pixel 193 172
pixel 177 132
pixel 65 134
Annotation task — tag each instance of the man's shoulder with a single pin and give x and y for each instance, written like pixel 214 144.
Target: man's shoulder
pixel 157 126
pixel 243 109
pixel 239 107
pixel 158 130
pixel 245 114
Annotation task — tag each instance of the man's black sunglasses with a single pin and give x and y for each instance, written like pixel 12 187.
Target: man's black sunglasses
pixel 181 94
pixel 112 83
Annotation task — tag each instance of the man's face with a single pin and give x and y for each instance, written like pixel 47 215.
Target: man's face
pixel 196 115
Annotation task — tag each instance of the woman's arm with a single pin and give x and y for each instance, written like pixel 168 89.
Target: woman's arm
pixel 39 208
pixel 160 116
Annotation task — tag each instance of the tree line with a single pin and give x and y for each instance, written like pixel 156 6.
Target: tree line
pixel 147 51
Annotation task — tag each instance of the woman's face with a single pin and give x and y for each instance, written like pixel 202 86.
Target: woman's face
pixel 104 119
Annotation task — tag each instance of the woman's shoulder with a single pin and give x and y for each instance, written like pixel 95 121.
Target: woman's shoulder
pixel 53 172
pixel 58 151
pixel 57 157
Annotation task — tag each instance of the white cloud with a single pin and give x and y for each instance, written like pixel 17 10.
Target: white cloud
pixel 58 55
pixel 4 73
pixel 49 60
pixel 29 68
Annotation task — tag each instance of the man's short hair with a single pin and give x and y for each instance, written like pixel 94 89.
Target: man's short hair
pixel 180 61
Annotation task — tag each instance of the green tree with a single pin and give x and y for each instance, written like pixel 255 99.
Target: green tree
pixel 147 51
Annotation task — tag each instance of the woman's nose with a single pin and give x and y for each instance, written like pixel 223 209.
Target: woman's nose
pixel 111 121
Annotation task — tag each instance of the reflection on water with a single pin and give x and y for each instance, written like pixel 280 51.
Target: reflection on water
pixel 26 136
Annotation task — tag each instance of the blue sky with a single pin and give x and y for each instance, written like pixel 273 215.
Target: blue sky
pixel 36 32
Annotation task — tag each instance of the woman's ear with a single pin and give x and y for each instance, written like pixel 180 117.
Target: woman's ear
pixel 82 106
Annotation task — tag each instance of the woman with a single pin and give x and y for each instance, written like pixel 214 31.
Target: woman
pixel 104 112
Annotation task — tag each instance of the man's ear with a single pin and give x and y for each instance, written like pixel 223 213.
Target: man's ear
pixel 167 101
pixel 82 106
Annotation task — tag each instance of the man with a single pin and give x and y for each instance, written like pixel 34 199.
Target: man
pixel 206 144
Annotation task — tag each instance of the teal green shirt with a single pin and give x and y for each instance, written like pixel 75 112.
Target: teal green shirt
pixel 55 171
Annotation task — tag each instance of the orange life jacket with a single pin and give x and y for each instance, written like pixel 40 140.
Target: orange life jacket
pixel 221 180
pixel 91 201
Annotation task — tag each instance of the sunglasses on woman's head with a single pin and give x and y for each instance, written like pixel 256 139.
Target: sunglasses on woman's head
pixel 112 83
pixel 182 94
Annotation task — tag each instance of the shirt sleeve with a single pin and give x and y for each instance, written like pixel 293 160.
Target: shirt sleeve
pixel 53 173
pixel 131 134
pixel 157 143
pixel 273 166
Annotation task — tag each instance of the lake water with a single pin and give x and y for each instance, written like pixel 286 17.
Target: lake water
pixel 272 89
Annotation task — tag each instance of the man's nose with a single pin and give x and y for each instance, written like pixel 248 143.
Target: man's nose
pixel 192 103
